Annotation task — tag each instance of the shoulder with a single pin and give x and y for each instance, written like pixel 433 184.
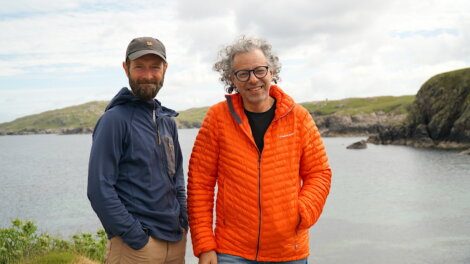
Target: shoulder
pixel 115 117
pixel 119 112
pixel 217 109
pixel 300 112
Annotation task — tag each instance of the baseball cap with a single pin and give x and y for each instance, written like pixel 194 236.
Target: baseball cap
pixel 145 45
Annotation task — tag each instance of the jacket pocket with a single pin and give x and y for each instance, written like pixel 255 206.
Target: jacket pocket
pixel 170 155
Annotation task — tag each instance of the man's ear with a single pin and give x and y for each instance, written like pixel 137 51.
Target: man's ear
pixel 126 70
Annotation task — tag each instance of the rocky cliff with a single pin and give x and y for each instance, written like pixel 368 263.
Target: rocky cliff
pixel 357 125
pixel 439 116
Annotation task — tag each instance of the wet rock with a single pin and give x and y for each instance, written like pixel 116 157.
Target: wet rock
pixel 358 145
pixel 465 152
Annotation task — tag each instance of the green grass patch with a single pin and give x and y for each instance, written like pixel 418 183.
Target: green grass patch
pixel 353 106
pixel 191 117
pixel 52 258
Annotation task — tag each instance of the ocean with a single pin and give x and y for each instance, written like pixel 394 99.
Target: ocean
pixel 388 204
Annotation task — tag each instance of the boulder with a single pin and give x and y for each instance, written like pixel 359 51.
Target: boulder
pixel 465 152
pixel 358 145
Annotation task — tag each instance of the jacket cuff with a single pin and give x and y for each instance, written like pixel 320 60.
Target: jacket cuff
pixel 305 222
pixel 135 237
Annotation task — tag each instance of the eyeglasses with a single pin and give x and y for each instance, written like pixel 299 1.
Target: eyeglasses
pixel 244 75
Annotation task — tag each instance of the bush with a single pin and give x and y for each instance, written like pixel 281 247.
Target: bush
pixel 21 241
pixel 91 246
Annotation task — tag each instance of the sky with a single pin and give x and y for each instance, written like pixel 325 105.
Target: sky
pixel 56 53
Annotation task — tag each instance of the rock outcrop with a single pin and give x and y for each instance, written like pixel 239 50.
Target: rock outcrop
pixel 356 125
pixel 78 130
pixel 358 145
pixel 439 116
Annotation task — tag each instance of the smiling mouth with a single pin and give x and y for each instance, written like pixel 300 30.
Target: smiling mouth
pixel 256 88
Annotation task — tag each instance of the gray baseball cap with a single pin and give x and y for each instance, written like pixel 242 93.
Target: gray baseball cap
pixel 145 45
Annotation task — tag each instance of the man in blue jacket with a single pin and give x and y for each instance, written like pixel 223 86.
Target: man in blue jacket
pixel 135 175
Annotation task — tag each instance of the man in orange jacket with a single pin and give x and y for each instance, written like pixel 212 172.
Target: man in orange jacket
pixel 266 156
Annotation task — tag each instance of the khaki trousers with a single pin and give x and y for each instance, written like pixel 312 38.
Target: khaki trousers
pixel 156 251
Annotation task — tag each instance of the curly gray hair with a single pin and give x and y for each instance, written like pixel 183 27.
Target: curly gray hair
pixel 242 45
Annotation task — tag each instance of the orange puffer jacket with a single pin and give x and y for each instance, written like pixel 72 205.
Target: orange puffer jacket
pixel 265 202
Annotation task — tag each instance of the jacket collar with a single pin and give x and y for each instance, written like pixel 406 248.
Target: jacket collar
pixel 125 96
pixel 284 104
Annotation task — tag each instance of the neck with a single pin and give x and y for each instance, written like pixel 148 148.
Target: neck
pixel 261 107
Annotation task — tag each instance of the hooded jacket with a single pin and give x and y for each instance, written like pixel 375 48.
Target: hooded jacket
pixel 135 175
pixel 266 202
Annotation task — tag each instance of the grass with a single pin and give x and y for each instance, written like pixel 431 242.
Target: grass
pixel 353 106
pixel 191 117
pixel 21 243
pixel 84 115
pixel 60 257
pixel 52 258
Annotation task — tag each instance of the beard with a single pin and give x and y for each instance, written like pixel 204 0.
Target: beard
pixel 145 89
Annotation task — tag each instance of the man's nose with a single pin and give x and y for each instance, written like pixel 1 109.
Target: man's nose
pixel 148 74
pixel 252 78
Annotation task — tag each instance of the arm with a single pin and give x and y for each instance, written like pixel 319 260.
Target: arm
pixel 315 173
pixel 180 183
pixel 201 182
pixel 103 172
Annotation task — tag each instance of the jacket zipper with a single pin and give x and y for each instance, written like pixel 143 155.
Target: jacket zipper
pixel 259 204
pixel 156 125
pixel 259 180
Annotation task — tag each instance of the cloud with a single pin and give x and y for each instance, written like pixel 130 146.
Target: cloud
pixel 81 38
pixel 328 49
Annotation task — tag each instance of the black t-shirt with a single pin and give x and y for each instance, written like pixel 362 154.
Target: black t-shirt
pixel 259 123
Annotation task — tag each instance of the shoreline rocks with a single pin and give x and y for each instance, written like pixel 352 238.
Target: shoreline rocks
pixel 358 145
pixel 356 125
pixel 60 131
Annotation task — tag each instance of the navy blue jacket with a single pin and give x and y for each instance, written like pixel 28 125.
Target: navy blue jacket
pixel 135 174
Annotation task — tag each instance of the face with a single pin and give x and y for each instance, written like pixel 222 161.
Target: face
pixel 146 75
pixel 255 91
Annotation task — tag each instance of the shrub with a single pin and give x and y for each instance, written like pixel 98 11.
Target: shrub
pixel 21 241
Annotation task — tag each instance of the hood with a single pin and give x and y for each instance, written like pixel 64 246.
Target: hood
pixel 125 96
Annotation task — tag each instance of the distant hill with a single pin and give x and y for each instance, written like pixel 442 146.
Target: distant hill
pixel 82 118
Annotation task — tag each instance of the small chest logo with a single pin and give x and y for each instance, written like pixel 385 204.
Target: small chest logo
pixel 286 135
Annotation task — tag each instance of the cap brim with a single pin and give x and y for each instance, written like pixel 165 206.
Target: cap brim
pixel 141 53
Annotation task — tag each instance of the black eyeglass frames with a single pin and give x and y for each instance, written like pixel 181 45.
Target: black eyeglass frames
pixel 244 75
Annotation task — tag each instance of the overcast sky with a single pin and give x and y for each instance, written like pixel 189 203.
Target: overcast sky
pixel 59 53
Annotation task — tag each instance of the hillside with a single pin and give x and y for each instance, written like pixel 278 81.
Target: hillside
pixel 73 118
pixel 355 106
pixel 334 115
